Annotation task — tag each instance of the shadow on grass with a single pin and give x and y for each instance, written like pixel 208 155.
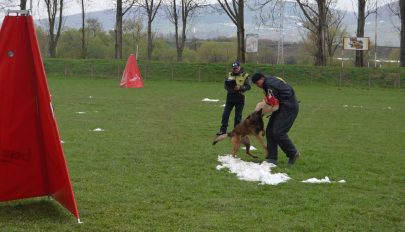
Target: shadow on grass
pixel 25 211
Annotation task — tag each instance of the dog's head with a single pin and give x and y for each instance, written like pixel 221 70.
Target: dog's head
pixel 256 120
pixel 256 116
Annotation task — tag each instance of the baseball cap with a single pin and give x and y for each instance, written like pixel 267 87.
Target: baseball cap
pixel 236 64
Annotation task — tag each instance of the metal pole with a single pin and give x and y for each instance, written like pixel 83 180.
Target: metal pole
pixel 118 71
pixel 375 35
pixel 341 71
pixel 146 71
pixel 199 73
pixel 368 63
pixel 280 44
pixel 368 59
pixel 282 33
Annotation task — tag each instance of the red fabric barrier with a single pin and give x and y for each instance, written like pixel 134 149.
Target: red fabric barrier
pixel 131 78
pixel 32 162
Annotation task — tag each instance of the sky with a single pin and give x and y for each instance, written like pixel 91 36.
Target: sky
pixel 103 4
pixel 73 7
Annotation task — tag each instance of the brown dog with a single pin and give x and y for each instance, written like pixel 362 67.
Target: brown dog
pixel 252 125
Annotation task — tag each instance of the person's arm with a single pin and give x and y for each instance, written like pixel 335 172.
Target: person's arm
pixel 247 84
pixel 229 85
pixel 271 94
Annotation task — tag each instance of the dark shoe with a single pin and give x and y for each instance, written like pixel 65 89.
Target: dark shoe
pixel 221 133
pixel 292 160
pixel 272 161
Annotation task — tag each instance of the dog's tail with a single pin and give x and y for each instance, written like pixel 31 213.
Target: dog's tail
pixel 220 138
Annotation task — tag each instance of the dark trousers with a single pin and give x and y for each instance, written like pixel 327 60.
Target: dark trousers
pixel 279 124
pixel 227 112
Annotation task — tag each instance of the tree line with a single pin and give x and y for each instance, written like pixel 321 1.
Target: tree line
pixel 319 17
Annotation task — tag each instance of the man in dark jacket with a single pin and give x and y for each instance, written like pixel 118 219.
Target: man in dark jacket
pixel 236 84
pixel 281 120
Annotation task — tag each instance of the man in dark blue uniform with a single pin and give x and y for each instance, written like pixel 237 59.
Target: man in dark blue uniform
pixel 236 84
pixel 281 120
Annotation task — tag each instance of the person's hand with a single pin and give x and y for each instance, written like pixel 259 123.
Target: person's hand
pixel 237 88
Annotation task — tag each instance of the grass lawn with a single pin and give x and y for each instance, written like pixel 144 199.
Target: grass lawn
pixel 154 168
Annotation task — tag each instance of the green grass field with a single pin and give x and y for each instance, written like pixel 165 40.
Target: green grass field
pixel 154 168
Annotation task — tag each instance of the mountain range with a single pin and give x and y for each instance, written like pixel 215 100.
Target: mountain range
pixel 210 23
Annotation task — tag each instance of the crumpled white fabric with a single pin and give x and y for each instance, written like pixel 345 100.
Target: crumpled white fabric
pixel 250 171
pixel 321 181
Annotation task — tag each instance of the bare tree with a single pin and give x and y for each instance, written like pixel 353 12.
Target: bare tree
pixel 335 32
pixel 23 4
pixel 397 8
pixel 393 6
pixel 151 7
pixel 271 14
pixel 122 8
pixel 11 4
pixel 134 28
pixel 364 9
pixel 316 15
pixel 94 27
pixel 83 8
pixel 55 17
pixel 180 15
pixel 402 14
pixel 268 10
pixel 83 55
pixel 235 11
pixel 3 5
